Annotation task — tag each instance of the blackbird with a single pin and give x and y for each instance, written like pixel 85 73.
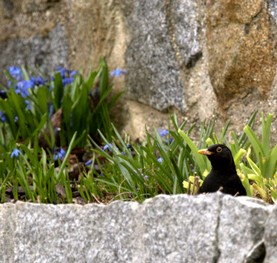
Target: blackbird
pixel 223 176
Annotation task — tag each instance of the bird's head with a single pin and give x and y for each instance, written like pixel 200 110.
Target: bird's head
pixel 220 157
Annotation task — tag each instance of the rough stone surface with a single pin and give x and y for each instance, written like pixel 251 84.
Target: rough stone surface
pixel 242 222
pixel 29 38
pixel 241 48
pixel 181 228
pixel 197 58
pixel 95 29
pixel 183 22
pixel 70 233
pixel 7 232
pixel 272 7
pixel 46 51
pixel 161 41
pixel 270 238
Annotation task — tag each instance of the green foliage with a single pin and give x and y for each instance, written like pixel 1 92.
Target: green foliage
pixel 262 169
pixel 85 105
pixel 259 177
pixel 167 161
pixel 172 164
pixel 142 170
pixel 29 107
pixel 34 176
pixel 160 164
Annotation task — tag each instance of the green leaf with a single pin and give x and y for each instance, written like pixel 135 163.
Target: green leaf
pixel 266 124
pixel 257 147
pixel 254 167
pixel 58 91
pixel 199 158
pixel 238 156
pixel 271 167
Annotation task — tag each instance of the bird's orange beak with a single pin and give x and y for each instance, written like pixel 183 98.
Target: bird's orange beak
pixel 205 152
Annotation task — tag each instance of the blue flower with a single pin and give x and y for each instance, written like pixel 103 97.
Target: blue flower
pixel 28 104
pixel 118 72
pixel 63 71
pixel 59 154
pixel 73 73
pixel 169 141
pixel 145 177
pixel 37 81
pixel 163 133
pixel 66 74
pixel 15 118
pixel 67 81
pixel 108 146
pixel 88 162
pixel 2 116
pixel 23 86
pixel 15 72
pixel 15 153
pixel 160 159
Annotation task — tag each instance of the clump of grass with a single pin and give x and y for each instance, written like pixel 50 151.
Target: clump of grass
pixel 168 162
pixel 42 119
pixel 64 102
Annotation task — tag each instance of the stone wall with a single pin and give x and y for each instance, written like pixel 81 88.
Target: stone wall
pixel 200 58
pixel 205 228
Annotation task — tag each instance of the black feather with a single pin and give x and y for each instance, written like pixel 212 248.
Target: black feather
pixel 223 176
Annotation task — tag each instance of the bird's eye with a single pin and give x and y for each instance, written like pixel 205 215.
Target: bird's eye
pixel 218 149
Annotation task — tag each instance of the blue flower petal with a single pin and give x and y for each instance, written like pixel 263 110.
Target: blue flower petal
pixel 15 71
pixel 118 72
pixel 88 163
pixel 15 153
pixel 28 104
pixel 108 146
pixel 163 132
pixel 2 116
pixel 67 81
pixel 160 159
pixel 59 154
pixel 23 86
pixel 73 73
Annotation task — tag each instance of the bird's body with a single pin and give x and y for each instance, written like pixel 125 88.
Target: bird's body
pixel 223 176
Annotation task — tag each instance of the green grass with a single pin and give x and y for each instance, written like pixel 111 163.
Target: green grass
pixel 138 173
pixel 79 156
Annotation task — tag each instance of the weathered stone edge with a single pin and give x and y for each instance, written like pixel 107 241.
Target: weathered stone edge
pixel 9 219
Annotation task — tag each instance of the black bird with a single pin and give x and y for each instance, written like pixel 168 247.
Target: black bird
pixel 223 176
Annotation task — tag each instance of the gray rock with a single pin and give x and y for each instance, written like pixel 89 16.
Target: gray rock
pixel 7 232
pixel 45 52
pixel 180 228
pixel 186 31
pixel 270 237
pixel 72 233
pixel 159 34
pixel 272 6
pixel 241 229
